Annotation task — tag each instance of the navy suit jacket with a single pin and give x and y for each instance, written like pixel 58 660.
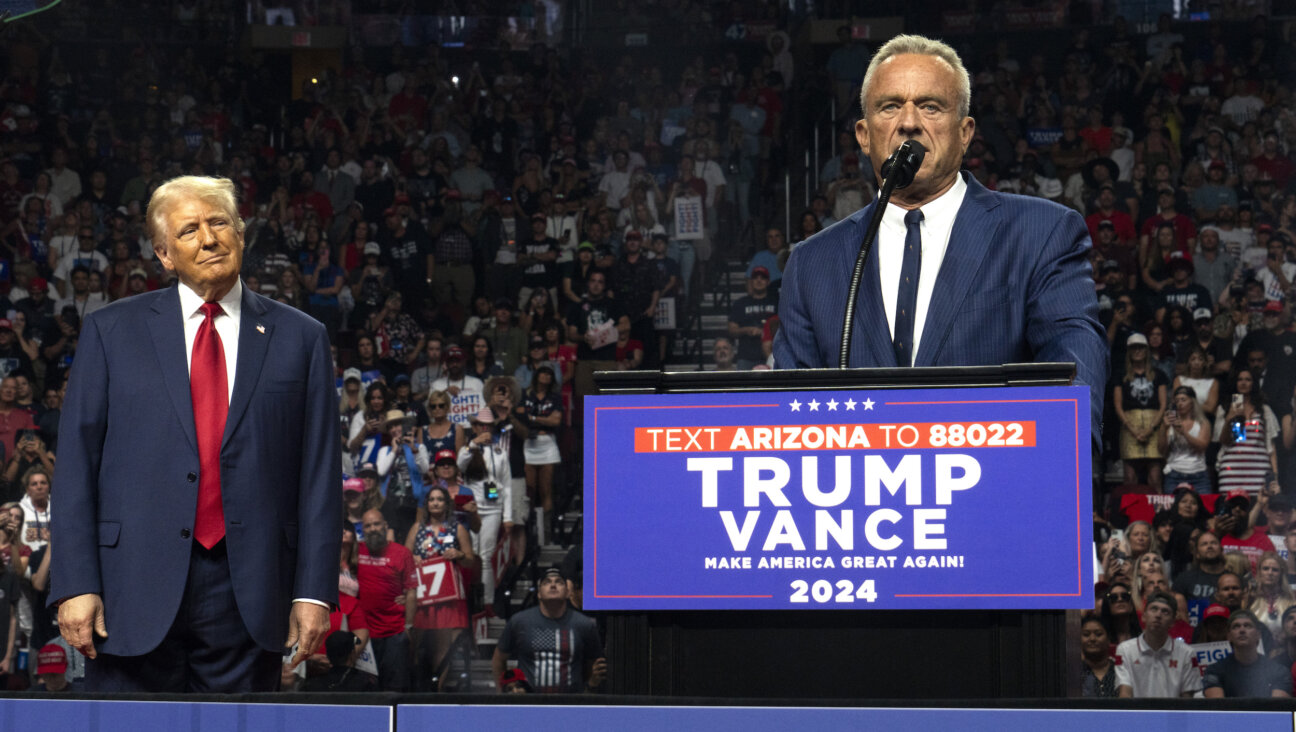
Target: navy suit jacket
pixel 1015 286
pixel 128 467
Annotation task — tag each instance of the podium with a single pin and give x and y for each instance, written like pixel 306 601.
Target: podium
pixel 668 647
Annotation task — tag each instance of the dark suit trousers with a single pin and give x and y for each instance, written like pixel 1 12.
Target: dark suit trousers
pixel 207 649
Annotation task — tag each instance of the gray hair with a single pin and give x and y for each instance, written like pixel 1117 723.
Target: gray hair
pixel 922 46
pixel 218 192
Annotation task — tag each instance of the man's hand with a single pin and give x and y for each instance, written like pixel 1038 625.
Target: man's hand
pixel 598 673
pixel 308 623
pixel 76 617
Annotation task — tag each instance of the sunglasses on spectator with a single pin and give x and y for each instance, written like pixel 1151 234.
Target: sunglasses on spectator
pixel 1118 597
pixel 439 405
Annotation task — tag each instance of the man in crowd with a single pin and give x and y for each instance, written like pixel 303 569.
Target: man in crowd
pixel 342 649
pixel 465 390
pixel 51 668
pixel 1154 664
pixel 1197 582
pixel 556 646
pixel 387 592
pixel 747 318
pixel 1245 673
pixel 594 325
pixel 1233 521
pixel 634 281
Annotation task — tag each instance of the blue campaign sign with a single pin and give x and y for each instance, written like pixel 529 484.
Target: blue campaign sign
pixel 869 499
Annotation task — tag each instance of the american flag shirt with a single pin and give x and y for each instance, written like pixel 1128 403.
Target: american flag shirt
pixel 552 652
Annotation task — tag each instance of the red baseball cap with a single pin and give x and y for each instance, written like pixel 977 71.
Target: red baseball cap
pixel 52 659
pixel 444 456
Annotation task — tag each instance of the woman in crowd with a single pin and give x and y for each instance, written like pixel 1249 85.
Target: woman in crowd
pixel 809 226
pixel 1195 376
pixel 486 470
pixel 1273 595
pixel 439 535
pixel 1190 518
pixel 355 503
pixel 1179 331
pixel 445 473
pixel 1245 432
pixel 1118 615
pixel 1098 673
pixel 482 363
pixel 13 552
pixel 1160 352
pixel 544 418
pixel 367 425
pixel 535 359
pixel 539 310
pixel 440 433
pixel 1183 438
pixel 323 280
pixel 576 272
pixel 1154 258
pixel 1140 402
pixel 1142 541
pixel 291 290
pixel 403 465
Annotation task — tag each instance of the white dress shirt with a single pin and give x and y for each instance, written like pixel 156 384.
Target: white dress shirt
pixel 937 223
pixel 227 327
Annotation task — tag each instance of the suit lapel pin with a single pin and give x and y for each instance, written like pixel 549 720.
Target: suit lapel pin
pixel 260 329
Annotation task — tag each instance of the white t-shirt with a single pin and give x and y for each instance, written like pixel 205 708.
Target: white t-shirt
pixel 468 402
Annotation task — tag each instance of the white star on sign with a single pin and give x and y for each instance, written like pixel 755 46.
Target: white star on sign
pixel 868 404
pixel 814 405
pixel 850 405
pixel 796 406
pixel 832 405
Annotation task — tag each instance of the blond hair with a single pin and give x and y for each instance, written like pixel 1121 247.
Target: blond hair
pixel 218 192
pixel 922 46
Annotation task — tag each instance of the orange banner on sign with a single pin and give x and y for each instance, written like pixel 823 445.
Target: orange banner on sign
pixel 883 436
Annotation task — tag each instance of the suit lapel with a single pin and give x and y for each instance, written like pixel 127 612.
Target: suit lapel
pixel 975 229
pixel 167 329
pixel 254 338
pixel 871 341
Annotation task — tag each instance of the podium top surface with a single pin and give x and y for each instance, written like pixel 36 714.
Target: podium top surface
pixel 665 382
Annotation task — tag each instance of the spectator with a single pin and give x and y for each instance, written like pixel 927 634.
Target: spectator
pixel 594 326
pixel 386 598
pixel 1245 673
pixel 635 285
pixel 747 318
pixel 343 648
pixel 1155 664
pixel 1180 290
pixel 769 257
pixel 403 465
pixel 1183 438
pixel 31 453
pixel 489 476
pixel 1140 404
pixel 398 339
pixel 1273 595
pixel 508 341
pixel 1245 432
pixel 439 535
pixel 51 667
pixel 430 370
pixel 440 433
pixel 367 425
pixel 724 355
pixel 1098 675
pixel 1198 582
pixel 556 646
pixel 36 508
pixel 464 389
pixel 1118 614
pixel 1213 267
pixel 1233 524
pixel 483 363
pixel 544 418
pixel 1196 375
pixel 576 272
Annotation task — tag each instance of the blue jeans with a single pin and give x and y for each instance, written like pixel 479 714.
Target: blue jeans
pixel 1199 481
pixel 682 252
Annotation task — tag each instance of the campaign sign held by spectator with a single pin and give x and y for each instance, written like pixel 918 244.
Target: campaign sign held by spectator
pixel 932 498
pixel 439 581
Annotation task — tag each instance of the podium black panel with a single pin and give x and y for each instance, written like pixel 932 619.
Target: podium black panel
pixel 832 654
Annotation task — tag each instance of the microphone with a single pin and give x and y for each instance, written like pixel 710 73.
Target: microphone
pixel 897 172
pixel 903 164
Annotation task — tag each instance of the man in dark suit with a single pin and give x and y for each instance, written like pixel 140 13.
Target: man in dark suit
pixel 198 471
pixel 959 275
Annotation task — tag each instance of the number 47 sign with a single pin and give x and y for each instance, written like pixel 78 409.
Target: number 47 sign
pixel 439 581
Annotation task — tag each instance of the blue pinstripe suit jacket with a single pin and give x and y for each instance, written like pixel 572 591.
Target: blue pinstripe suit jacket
pixel 1015 286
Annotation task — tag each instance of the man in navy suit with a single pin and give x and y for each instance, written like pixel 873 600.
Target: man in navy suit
pixel 198 471
pixel 990 278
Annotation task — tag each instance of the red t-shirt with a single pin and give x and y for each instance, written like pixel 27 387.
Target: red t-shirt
pixel 1252 547
pixel 1183 226
pixel 1121 222
pixel 382 579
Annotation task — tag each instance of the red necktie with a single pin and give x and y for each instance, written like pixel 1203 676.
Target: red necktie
pixel 209 391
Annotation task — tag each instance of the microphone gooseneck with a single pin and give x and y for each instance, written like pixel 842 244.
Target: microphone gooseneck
pixel 897 172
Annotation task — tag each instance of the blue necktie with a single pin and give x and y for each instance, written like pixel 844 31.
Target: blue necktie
pixel 907 294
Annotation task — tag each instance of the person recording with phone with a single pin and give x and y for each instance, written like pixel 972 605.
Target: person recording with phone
pixel 1183 439
pixel 486 470
pixel 961 275
pixel 404 468
pixel 1245 431
pixel 30 451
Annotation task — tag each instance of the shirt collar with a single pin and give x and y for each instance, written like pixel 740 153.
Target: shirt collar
pixel 191 303
pixel 943 208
